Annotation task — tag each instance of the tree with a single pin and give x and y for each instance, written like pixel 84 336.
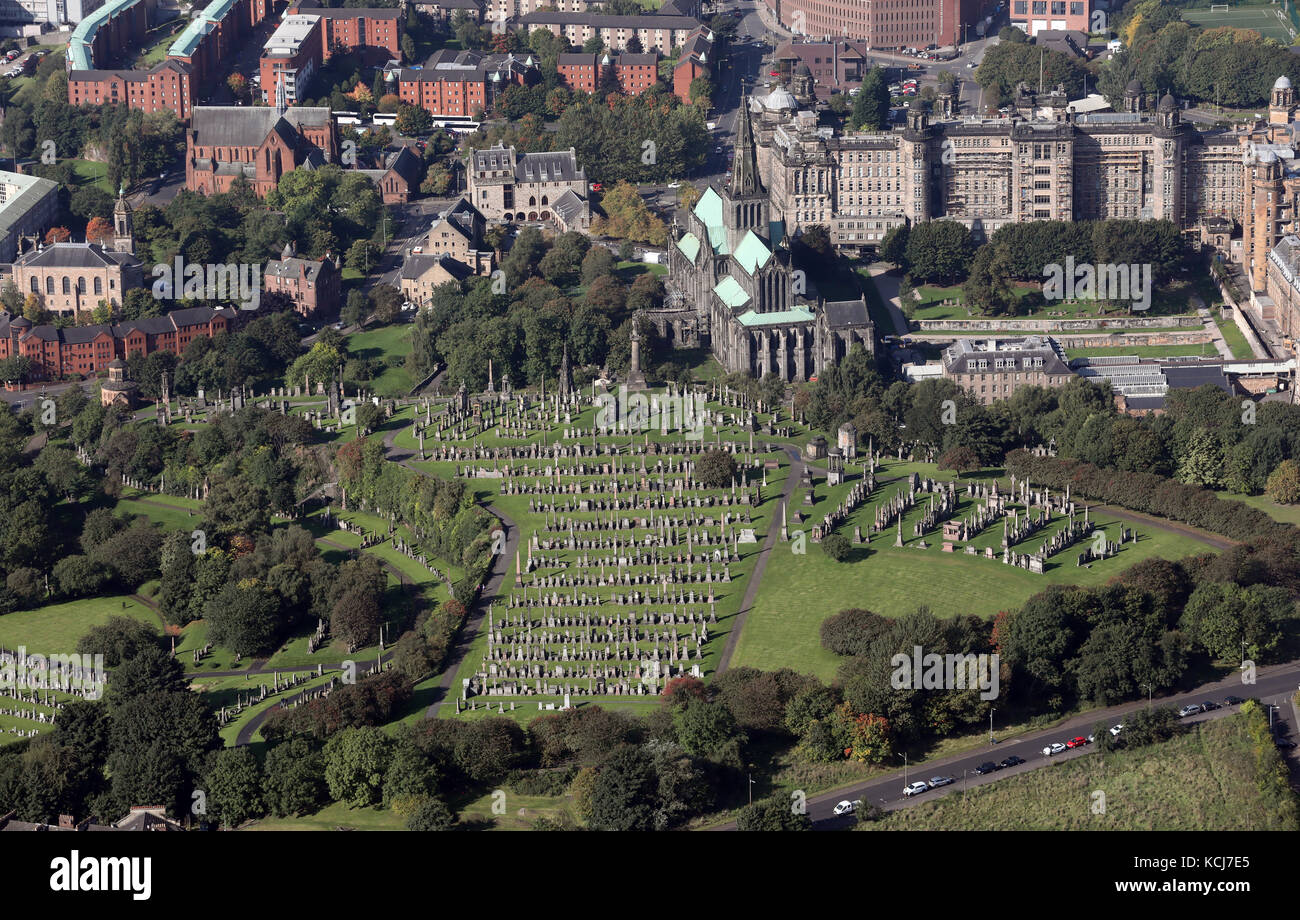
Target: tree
pixel 118 639
pixel 432 815
pixel 1284 483
pixel 237 83
pixel 98 230
pixel 772 814
pixel 837 547
pixel 704 729
pixel 57 235
pixel 293 783
pixel 234 787
pixel 871 105
pixel 355 761
pixel 413 120
pixel 244 617
pixel 623 792
pixel 715 469
pixel 893 248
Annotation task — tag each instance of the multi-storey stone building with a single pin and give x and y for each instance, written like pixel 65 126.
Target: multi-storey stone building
pixel 504 185
pixel 1045 163
pixel 991 369
pixel 73 278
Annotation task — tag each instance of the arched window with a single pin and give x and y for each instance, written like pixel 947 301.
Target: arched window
pixel 67 285
pixel 81 285
pixel 49 285
pixel 99 285
pixel 36 285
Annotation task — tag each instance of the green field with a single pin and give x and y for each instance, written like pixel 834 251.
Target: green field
pixel 1204 780
pixel 55 628
pixel 1263 19
pixel 1237 343
pixel 1287 514
pixel 382 343
pixel 799 591
pixel 1145 351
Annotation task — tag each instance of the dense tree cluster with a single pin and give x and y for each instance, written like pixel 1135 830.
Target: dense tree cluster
pixel 556 292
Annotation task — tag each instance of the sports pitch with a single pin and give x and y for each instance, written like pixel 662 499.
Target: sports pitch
pixel 1269 21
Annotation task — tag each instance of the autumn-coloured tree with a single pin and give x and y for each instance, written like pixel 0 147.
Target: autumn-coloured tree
pixel 58 235
pixel 98 230
pixel 681 690
pixel 238 84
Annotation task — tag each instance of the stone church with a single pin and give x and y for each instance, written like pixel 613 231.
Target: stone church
pixel 732 286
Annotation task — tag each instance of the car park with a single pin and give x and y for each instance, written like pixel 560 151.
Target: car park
pixel 846 807
pixel 915 788
pixel 1053 749
pixel 1189 710
pixel 986 768
pixel 1076 742
pixel 937 781
pixel 1012 761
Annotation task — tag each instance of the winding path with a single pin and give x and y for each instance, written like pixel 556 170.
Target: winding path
pixel 501 562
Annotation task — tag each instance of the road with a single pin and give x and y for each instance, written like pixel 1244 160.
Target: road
pixel 1275 685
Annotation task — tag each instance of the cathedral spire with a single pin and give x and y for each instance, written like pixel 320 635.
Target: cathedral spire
pixel 744 177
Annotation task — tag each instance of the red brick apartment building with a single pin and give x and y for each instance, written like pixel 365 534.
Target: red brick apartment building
pixel 193 61
pixel 635 73
pixel 84 350
pixel 169 86
pixel 374 34
pixel 457 83
pixel 883 24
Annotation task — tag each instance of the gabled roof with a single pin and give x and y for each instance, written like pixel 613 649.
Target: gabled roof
pixel 248 126
pixel 569 206
pixel 709 210
pixel 74 255
pixel 752 253
pixel 731 293
pixel 798 314
pixel 689 245
pixel 417 266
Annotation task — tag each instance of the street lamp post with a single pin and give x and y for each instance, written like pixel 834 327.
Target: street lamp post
pixel 991 711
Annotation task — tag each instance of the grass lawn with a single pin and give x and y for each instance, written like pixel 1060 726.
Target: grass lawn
pixel 382 343
pixel 89 172
pixel 1204 780
pixel 1145 351
pixel 335 817
pixel 628 271
pixel 55 628
pixel 1287 514
pixel 1237 343
pixel 799 591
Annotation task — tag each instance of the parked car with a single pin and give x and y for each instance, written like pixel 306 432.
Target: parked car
pixel 1052 749
pixel 1116 729
pixel 915 788
pixel 846 807
pixel 1285 743
pixel 1232 701
pixel 1190 709
pixel 1012 761
pixel 1075 742
pixel 1209 706
pixel 986 768
pixel 937 781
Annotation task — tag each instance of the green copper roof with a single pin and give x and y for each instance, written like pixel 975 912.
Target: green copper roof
pixel 689 244
pixel 730 292
pixel 709 210
pixel 797 315
pixel 752 254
